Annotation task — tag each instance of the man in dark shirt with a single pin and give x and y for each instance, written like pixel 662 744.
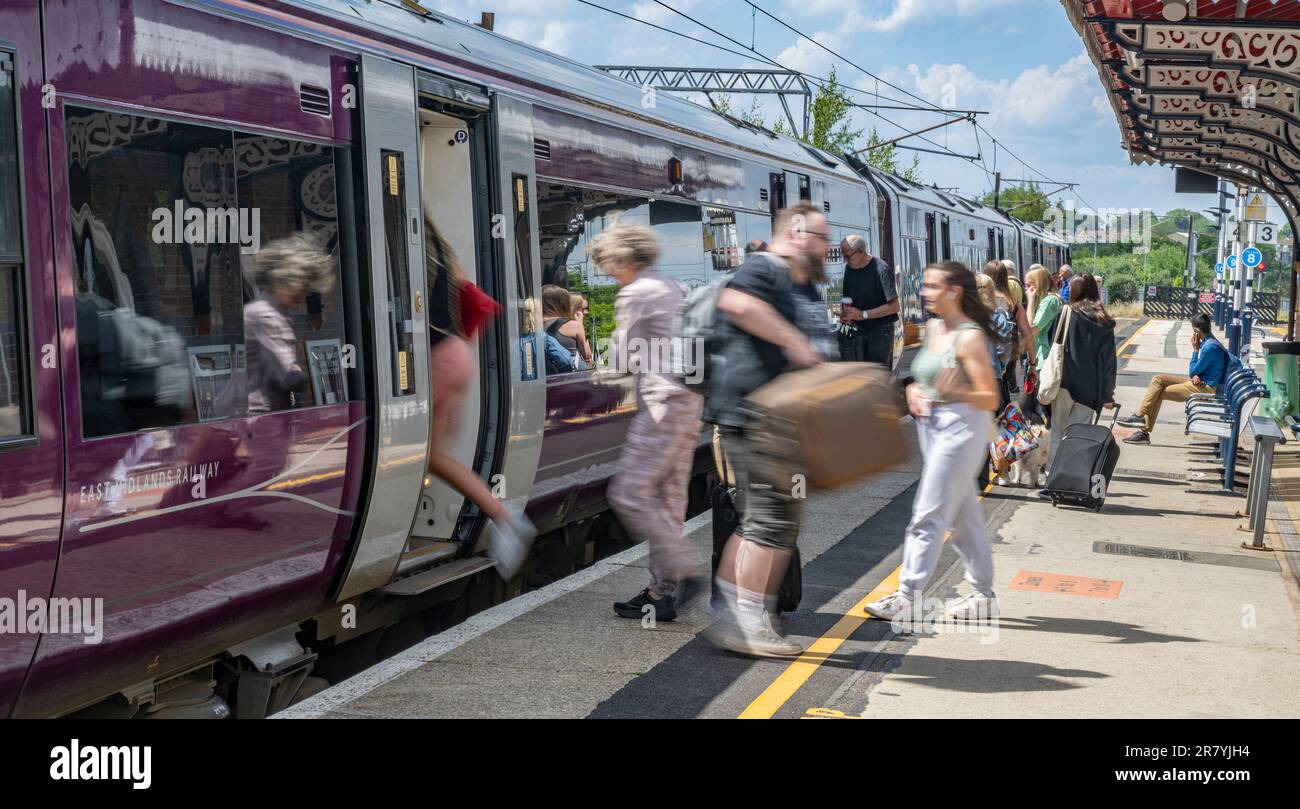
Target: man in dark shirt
pixel 772 320
pixel 867 326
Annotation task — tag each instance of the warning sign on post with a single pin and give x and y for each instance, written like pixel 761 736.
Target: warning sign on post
pixel 1256 209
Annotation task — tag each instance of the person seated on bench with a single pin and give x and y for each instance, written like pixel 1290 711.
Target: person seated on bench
pixel 1207 369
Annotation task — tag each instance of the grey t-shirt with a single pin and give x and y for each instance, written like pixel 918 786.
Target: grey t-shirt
pixel 744 363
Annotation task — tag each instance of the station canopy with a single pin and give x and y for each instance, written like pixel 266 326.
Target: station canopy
pixel 1212 85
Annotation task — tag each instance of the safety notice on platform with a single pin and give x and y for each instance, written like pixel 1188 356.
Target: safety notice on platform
pixel 1070 585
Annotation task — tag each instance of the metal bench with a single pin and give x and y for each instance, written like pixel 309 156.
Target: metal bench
pixel 1267 436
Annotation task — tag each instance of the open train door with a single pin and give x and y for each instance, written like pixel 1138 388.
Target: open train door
pixel 399 356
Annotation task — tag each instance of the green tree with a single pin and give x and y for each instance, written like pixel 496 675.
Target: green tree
pixel 885 158
pixel 1026 202
pixel 831 130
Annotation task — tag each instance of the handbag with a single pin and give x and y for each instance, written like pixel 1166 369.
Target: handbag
pixel 1013 440
pixel 1049 379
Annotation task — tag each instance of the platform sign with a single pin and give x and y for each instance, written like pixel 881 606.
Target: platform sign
pixel 1232 262
pixel 1256 209
pixel 1265 233
pixel 1207 297
pixel 1252 257
pixel 1218 268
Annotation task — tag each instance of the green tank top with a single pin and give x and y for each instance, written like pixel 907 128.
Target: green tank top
pixel 927 364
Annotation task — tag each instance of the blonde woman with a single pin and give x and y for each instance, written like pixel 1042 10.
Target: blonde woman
pixel 649 491
pixel 1044 306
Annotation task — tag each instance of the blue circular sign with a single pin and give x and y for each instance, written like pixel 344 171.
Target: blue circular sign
pixel 1232 262
pixel 461 136
pixel 1252 257
pixel 1218 268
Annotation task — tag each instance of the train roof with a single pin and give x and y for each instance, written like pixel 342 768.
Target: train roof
pixel 520 61
pixel 933 197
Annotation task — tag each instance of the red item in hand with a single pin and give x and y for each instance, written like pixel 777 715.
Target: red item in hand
pixel 476 308
pixel 1031 381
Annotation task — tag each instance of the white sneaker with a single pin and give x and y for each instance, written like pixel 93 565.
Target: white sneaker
pixel 750 637
pixel 974 607
pixel 889 607
pixel 509 542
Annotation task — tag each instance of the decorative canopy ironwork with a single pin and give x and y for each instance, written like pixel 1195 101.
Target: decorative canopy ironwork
pixel 1212 85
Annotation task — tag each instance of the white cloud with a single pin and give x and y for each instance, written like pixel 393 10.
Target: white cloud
pixel 1041 97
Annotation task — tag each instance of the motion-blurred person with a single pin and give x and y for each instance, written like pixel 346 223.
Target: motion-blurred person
pixel 952 400
pixel 457 311
pixel 558 321
pixel 649 491
pixel 755 246
pixel 869 283
pixel 773 320
pixel 1205 373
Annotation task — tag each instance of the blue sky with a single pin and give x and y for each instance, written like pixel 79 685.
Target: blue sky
pixel 1020 60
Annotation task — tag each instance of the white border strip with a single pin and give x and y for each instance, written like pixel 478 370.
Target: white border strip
pixel 475 626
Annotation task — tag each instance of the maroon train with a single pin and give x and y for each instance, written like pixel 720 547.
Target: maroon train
pixel 192 554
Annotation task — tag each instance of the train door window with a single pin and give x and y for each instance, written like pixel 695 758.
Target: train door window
pixel 805 187
pixel 945 232
pixel 292 316
pixel 530 320
pixel 401 326
pixel 1002 245
pixel 155 235
pixel 993 245
pixel 931 251
pixel 775 192
pixel 14 406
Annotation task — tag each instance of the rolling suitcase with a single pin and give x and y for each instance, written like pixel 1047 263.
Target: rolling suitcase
pixel 725 519
pixel 1085 461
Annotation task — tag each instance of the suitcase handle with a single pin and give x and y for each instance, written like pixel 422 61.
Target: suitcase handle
pixel 1114 420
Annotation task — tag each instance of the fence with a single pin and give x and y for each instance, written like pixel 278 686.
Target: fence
pixel 1181 303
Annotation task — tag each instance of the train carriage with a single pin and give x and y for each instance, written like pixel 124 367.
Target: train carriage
pixel 230 542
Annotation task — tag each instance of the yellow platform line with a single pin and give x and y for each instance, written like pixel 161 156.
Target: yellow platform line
pixel 797 673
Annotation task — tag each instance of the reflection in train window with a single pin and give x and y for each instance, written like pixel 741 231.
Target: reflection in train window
pixel 569 217
pixel 159 310
pixel 291 187
pixel 14 415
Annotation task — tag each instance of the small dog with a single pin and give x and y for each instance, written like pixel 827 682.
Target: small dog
pixel 1031 470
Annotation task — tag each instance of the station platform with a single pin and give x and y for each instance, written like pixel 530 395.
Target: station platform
pixel 1150 608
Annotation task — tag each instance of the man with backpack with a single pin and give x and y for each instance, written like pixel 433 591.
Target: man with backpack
pixel 867 324
pixel 772 319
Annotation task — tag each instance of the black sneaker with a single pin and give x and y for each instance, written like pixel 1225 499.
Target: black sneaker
pixel 664 607
pixel 1133 421
pixel 1140 437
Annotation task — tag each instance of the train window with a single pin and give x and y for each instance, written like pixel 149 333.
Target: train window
pixel 569 217
pixel 291 187
pixel 722 239
pixel 155 235
pixel 10 219
pixel 401 325
pixel 529 312
pixel 14 415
